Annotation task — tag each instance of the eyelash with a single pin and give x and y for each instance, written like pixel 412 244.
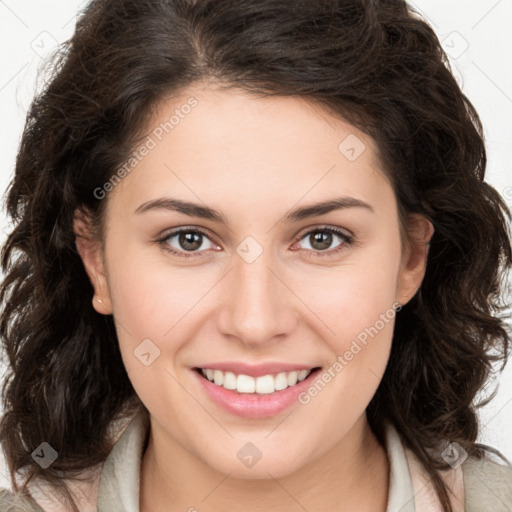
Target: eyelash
pixel 348 241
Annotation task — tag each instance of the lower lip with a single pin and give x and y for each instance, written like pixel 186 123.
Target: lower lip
pixel 255 406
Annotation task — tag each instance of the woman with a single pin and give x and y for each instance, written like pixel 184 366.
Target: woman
pixel 257 267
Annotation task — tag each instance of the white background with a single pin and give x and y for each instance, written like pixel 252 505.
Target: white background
pixel 476 35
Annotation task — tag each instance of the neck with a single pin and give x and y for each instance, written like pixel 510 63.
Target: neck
pixel 353 475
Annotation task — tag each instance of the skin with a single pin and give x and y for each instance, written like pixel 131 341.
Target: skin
pixel 255 159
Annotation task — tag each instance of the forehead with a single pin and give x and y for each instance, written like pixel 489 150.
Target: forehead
pixel 232 145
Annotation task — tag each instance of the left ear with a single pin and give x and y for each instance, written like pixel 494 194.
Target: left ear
pixel 414 258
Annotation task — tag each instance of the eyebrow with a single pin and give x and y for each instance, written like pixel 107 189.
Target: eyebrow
pixel 204 212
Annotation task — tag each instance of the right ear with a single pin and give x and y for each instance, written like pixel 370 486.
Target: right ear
pixel 92 257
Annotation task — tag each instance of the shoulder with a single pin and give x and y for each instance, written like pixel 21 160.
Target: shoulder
pixel 487 485
pixel 84 489
pixel 11 503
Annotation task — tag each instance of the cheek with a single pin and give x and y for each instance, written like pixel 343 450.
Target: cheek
pixel 355 303
pixel 149 300
pixel 351 298
pixel 150 304
pixel 149 296
pixel 158 309
pixel 359 314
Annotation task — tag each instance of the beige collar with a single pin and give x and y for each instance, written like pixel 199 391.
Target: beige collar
pixel 411 488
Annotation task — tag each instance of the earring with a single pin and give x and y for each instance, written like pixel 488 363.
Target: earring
pixel 100 301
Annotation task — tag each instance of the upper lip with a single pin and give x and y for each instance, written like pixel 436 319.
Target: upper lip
pixel 257 370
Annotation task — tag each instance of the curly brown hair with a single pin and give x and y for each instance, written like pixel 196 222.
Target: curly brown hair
pixel 376 64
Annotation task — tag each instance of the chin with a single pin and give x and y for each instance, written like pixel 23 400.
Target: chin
pixel 261 469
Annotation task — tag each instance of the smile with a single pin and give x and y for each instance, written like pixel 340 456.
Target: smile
pixel 266 384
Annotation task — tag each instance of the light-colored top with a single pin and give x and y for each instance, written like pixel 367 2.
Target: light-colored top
pixel 477 485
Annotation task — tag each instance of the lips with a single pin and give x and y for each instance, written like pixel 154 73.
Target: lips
pixel 254 405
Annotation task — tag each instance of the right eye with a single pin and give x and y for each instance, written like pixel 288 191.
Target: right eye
pixel 186 240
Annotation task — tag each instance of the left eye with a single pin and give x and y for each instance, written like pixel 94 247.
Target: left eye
pixel 319 240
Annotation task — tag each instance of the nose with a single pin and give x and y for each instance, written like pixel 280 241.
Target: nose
pixel 257 306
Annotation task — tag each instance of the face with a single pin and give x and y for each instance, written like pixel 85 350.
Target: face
pixel 256 276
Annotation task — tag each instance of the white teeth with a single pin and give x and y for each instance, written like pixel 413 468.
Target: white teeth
pixel 281 381
pixel 303 374
pixel 265 384
pixel 245 384
pixel 292 378
pixel 218 377
pixel 229 380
